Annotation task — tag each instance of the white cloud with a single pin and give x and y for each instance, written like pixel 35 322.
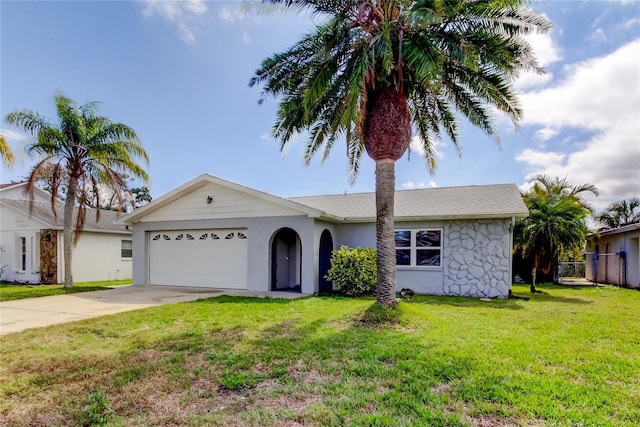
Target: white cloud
pixel 410 185
pixel 231 15
pixel 545 134
pixel 246 38
pixel 12 135
pixel 631 22
pixel 184 14
pixel 600 97
pixel 598 35
pixel 417 147
pixel 547 52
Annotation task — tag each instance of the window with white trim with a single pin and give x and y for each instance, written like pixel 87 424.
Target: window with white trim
pixel 126 249
pixel 419 248
pixel 23 253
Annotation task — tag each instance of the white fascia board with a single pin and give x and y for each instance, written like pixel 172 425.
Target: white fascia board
pixel 440 217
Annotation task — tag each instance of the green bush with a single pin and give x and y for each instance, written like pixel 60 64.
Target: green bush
pixel 353 271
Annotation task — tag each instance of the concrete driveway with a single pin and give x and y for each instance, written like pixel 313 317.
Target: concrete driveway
pixel 28 313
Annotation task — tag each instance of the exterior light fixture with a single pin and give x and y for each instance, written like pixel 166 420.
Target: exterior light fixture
pixel 209 199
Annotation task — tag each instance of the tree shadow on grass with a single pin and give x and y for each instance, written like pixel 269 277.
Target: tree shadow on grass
pixel 231 299
pixel 542 296
pixel 468 302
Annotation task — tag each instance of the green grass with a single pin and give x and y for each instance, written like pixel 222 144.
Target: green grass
pixel 570 356
pixel 10 292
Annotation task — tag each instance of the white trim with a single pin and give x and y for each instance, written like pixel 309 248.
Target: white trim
pixel 413 249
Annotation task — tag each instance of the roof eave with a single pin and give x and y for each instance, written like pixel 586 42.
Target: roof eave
pixel 444 217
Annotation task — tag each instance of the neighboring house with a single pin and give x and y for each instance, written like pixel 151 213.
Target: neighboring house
pixel 32 239
pixel 214 233
pixel 613 256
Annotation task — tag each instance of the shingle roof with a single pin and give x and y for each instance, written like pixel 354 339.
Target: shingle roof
pixel 477 201
pixel 42 212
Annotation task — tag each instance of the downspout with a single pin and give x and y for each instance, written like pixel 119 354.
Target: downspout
pixel 511 228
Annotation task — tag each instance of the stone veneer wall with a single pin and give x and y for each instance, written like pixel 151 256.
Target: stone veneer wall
pixel 477 258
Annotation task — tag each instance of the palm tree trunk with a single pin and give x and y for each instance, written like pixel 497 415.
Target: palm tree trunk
pixel 69 205
pixel 385 195
pixel 533 280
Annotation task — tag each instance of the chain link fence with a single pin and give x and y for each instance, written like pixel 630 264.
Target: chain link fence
pixel 572 269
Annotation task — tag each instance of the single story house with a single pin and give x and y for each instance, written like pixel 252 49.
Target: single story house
pixel 214 233
pixel 613 256
pixel 31 238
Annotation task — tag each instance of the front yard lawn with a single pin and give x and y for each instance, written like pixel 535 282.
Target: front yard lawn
pixel 10 292
pixel 568 357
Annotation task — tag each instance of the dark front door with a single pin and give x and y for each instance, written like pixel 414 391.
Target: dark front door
pixel 326 246
pixel 285 259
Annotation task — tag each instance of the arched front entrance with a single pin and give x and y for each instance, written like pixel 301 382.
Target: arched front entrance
pixel 324 261
pixel 286 261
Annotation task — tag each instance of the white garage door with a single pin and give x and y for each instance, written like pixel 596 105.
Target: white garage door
pixel 203 258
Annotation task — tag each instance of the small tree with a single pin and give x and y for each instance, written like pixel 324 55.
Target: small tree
pixel 354 271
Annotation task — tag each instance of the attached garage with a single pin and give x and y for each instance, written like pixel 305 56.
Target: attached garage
pixel 215 258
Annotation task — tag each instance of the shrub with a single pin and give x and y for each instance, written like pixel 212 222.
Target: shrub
pixel 353 271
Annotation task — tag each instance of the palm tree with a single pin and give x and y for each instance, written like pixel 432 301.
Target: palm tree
pixel 88 151
pixel 5 152
pixel 378 71
pixel 556 223
pixel 622 213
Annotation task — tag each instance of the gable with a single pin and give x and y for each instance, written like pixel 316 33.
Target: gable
pixel 12 219
pixel 16 192
pixel 227 203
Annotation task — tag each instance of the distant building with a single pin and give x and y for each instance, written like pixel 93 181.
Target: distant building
pixel 613 256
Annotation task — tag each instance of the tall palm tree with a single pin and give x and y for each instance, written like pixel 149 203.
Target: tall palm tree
pixel 622 213
pixel 88 151
pixel 378 71
pixel 5 152
pixel 556 223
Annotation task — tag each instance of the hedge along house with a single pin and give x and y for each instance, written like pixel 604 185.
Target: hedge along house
pixel 214 233
pixel 32 240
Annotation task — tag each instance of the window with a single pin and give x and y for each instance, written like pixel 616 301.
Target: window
pixel 421 248
pixel 23 254
pixel 127 249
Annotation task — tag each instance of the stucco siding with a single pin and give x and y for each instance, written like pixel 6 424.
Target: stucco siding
pixel 260 232
pixel 98 256
pixel 226 203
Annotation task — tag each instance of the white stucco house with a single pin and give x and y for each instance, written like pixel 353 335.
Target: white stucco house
pixel 613 256
pixel 214 233
pixel 32 241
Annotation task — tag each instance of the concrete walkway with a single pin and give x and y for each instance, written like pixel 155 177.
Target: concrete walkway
pixel 28 313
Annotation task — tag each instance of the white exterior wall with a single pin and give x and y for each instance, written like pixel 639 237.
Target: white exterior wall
pixel 226 203
pixel 611 268
pixel 260 232
pixel 13 226
pixel 475 259
pixel 97 257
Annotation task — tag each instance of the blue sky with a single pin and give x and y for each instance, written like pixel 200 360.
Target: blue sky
pixel 178 73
